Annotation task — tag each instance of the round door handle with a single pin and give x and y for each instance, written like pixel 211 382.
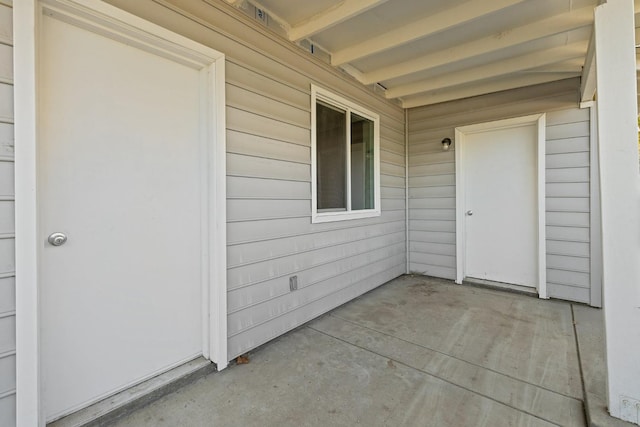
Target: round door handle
pixel 469 212
pixel 57 239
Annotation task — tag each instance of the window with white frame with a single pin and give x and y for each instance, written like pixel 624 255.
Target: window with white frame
pixel 345 159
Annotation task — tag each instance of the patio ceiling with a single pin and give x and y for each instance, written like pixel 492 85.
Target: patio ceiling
pixel 426 52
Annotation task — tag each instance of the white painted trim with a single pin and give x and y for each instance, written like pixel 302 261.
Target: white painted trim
pixel 218 224
pixel 588 80
pixel 347 154
pixel 489 71
pixel 505 83
pixel 587 104
pixel 441 21
pixel 460 133
pixel 100 17
pixel 616 82
pixel 331 17
pixel 461 247
pixel 205 136
pixel 556 24
pixel 25 26
pixel 595 245
pixel 542 207
pixel 406 190
pixel 318 93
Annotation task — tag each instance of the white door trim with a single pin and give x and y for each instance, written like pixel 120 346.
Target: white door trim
pixel 595 229
pixel 460 133
pixel 107 20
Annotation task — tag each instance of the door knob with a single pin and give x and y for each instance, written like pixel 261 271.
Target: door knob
pixel 469 212
pixel 57 239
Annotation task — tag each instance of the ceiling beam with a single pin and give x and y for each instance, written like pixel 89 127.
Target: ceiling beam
pixel 330 17
pixel 482 89
pixel 588 80
pixel 491 70
pixel 536 30
pixel 570 66
pixel 449 18
pixel 352 71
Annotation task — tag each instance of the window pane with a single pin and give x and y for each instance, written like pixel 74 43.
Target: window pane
pixel 331 134
pixel 362 166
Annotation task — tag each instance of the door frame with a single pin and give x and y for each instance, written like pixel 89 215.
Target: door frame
pixel 110 21
pixel 539 120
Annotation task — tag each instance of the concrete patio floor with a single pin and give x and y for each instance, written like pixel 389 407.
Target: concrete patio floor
pixel 416 351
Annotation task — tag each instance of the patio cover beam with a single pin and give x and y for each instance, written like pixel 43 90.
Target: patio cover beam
pixel 534 31
pixel 571 66
pixel 481 89
pixel 494 69
pixel 588 81
pixel 432 24
pixel 330 17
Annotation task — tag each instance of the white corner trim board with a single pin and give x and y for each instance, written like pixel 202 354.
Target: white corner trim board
pixel 616 81
pixel 464 213
pixel 595 229
pixel 103 19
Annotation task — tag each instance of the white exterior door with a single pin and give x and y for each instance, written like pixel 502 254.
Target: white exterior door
pixel 121 174
pixel 501 205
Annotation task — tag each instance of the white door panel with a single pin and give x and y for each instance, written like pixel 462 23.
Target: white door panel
pixel 501 193
pixel 119 174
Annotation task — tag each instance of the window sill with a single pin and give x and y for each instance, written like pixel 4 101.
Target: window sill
pixel 317 218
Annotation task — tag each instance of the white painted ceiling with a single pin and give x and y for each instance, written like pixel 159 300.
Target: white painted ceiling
pixel 429 51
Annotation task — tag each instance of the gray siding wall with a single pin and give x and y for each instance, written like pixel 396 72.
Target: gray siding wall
pixel 7 230
pixel 568 205
pixel 270 235
pixel 432 249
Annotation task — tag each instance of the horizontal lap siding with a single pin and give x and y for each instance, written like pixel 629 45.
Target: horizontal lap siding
pixel 432 201
pixel 432 248
pixel 7 225
pixel 269 232
pixel 568 204
pixel 270 235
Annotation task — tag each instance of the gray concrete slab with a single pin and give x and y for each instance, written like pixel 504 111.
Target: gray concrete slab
pixel 522 337
pixel 308 378
pixel 525 397
pixel 589 325
pixel 414 352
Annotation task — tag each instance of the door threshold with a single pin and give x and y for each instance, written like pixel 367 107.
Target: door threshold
pixel 501 286
pixel 110 409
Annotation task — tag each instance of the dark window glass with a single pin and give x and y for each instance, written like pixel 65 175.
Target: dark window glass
pixel 362 166
pixel 331 134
